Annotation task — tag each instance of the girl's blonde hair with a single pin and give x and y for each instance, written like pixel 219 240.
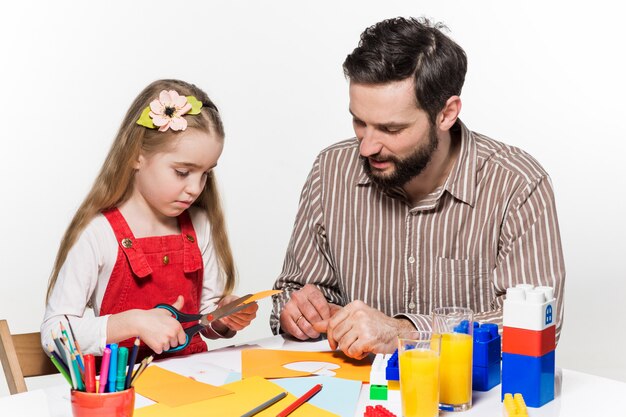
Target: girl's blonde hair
pixel 114 183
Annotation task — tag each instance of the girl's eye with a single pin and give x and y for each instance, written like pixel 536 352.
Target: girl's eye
pixel 181 173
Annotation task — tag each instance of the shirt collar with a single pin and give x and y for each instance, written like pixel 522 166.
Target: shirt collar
pixel 461 182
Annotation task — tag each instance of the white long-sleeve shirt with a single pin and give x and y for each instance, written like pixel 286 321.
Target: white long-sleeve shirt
pixel 85 275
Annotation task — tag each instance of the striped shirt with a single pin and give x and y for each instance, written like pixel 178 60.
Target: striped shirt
pixel 492 225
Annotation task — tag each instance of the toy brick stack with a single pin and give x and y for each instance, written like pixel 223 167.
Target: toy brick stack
pixel 528 343
pixel 486 357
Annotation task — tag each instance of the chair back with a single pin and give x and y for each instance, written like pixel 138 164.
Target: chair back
pixel 22 356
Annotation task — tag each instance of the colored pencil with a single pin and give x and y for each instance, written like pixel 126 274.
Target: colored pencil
pixel 59 365
pixel 79 381
pixel 73 371
pixel 265 405
pixel 79 357
pixel 142 367
pixel 131 363
pixel 104 369
pixel 297 403
pixel 61 351
pixel 90 373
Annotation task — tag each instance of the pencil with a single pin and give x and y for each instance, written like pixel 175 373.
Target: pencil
pixel 142 367
pixel 71 368
pixel 79 357
pixel 297 403
pixel 265 405
pixel 131 363
pixel 79 381
pixel 62 369
pixel 59 346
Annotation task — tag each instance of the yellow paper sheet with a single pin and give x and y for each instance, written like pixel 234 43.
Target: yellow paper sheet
pixel 247 394
pixel 269 363
pixel 260 295
pixel 172 389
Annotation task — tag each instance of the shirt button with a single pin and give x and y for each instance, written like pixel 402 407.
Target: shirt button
pixel 411 260
pixel 190 238
pixel 411 306
pixel 127 243
pixel 166 260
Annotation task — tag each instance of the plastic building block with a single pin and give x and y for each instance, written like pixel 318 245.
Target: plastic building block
pixel 378 392
pixel 531 376
pixel 392 373
pixel 377 374
pixel 514 406
pixel 377 411
pixel 529 308
pixel 393 385
pixel 528 342
pixel 486 345
pixel 486 357
pixel 485 378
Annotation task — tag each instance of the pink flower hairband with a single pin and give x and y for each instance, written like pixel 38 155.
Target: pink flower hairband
pixel 167 111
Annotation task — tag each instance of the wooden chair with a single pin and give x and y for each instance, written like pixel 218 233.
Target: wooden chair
pixel 22 356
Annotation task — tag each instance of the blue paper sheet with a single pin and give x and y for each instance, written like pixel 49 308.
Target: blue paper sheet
pixel 339 396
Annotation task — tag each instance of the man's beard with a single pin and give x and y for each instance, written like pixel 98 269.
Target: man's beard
pixel 405 168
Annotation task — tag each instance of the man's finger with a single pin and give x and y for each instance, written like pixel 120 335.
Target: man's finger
pixel 320 326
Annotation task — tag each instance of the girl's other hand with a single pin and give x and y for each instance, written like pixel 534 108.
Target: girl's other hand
pixel 240 319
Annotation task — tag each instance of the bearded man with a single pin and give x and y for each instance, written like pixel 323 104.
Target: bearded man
pixel 415 212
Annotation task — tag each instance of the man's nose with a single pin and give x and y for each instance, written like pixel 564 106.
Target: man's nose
pixel 370 143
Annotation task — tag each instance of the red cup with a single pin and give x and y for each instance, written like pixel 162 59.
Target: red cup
pixel 109 404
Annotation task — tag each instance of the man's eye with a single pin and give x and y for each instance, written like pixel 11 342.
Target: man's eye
pixel 181 173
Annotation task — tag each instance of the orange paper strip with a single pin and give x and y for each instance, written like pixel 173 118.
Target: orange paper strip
pixel 172 389
pixel 269 363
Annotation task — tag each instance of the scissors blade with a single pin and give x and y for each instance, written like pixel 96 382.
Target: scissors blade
pixel 225 310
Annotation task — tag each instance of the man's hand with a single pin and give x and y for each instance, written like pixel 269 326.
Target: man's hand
pixel 306 307
pixel 358 329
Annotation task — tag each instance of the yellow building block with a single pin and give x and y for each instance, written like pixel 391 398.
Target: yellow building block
pixel 514 406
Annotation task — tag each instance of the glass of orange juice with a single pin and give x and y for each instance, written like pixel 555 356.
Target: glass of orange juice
pixel 456 326
pixel 418 354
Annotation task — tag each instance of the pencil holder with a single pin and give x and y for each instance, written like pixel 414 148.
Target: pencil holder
pixel 110 404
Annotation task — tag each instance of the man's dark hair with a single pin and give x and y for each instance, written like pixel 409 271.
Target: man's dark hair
pixel 395 49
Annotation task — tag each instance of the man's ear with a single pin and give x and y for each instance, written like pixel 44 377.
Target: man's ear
pixel 450 112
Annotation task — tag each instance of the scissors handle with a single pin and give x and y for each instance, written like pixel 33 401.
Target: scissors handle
pixel 183 318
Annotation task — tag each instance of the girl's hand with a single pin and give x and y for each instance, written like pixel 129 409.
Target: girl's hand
pixel 157 328
pixel 240 319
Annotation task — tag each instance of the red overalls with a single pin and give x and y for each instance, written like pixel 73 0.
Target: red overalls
pixel 153 270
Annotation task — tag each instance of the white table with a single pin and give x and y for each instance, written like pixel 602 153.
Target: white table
pixel 577 394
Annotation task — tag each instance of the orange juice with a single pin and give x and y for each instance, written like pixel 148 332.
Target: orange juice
pixel 419 383
pixel 455 370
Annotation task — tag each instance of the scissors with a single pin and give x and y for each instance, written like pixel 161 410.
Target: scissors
pixel 203 320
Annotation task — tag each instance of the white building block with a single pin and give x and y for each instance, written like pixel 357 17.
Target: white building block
pixel 529 308
pixel 378 372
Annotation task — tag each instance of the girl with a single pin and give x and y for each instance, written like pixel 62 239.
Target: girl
pixel 150 231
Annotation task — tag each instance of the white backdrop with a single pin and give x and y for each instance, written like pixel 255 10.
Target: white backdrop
pixel 545 76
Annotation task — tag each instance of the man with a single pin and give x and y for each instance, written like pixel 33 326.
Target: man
pixel 417 211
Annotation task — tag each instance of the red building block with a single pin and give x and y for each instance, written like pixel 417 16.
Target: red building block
pixel 528 342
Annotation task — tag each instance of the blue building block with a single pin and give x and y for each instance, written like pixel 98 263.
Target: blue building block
pixel 487 345
pixel 531 376
pixel 392 372
pixel 485 378
pixel 486 357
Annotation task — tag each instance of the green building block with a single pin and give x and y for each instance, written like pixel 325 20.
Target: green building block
pixel 378 392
